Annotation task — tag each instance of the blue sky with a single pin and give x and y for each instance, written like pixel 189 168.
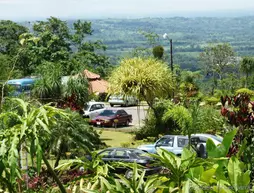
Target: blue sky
pixel 27 9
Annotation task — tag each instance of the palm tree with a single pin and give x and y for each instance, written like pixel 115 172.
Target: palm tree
pixel 190 120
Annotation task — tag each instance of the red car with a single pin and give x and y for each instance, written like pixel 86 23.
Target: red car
pixel 112 118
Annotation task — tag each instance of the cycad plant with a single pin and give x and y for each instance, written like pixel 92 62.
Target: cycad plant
pixel 72 134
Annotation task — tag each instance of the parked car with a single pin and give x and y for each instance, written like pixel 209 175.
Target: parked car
pixel 122 100
pixel 129 155
pixel 112 117
pixel 172 143
pixel 92 109
pixel 198 141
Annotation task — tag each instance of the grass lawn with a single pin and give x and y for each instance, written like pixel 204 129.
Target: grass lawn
pixel 114 138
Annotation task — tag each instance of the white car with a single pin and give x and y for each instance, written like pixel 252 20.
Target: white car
pixel 199 142
pixel 92 109
pixel 172 143
pixel 122 100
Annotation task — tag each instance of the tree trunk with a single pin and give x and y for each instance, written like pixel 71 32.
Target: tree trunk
pixel 60 185
pixel 58 157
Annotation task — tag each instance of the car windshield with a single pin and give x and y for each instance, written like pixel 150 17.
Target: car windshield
pixel 16 87
pixel 86 107
pixel 217 138
pixel 139 153
pixel 108 113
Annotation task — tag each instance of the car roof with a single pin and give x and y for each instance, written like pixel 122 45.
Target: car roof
pixel 120 148
pixel 182 136
pixel 114 109
pixel 203 134
pixel 93 102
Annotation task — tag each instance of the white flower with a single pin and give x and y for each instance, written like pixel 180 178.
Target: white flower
pixel 165 35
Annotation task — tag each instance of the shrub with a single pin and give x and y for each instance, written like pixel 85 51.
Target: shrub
pixel 154 126
pixel 125 144
pixel 158 52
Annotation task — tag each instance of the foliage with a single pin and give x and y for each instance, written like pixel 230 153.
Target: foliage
pixel 24 126
pixel 247 67
pixel 49 85
pixel 158 52
pixel 72 136
pixel 154 125
pixel 244 91
pixel 216 60
pixel 190 120
pixel 77 88
pixel 56 42
pixel 9 37
pixel 144 78
pixel 239 112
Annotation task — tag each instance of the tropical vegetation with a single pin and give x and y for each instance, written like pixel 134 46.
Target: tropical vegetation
pixel 44 140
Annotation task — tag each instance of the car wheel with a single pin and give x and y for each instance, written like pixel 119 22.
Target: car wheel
pixel 128 174
pixel 111 105
pixel 127 123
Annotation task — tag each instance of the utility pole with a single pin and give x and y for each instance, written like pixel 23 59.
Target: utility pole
pixel 171 55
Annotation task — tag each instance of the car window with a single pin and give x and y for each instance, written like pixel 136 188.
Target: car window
pixel 106 154
pixel 93 108
pixel 202 139
pixel 108 113
pixel 121 154
pixel 194 140
pixel 86 107
pixel 123 112
pixel 167 141
pixel 182 142
pixel 99 106
pixel 138 153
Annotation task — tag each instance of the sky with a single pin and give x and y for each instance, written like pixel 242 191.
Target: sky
pixel 32 9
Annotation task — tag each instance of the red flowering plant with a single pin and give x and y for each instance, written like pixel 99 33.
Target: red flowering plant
pixel 239 112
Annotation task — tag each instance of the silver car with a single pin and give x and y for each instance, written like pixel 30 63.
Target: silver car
pixel 198 141
pixel 122 100
pixel 172 143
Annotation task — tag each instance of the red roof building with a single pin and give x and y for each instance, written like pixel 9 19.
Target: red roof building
pixel 96 83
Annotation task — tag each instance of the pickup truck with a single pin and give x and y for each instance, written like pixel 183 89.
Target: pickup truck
pixel 172 143
pixel 112 117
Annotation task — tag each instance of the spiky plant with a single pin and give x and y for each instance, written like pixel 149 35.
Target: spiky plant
pixel 146 78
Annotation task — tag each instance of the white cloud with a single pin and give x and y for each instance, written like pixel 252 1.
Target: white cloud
pixel 70 8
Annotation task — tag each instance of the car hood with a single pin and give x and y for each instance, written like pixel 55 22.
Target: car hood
pixel 104 117
pixel 147 146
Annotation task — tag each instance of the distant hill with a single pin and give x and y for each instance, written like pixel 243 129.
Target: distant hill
pixel 189 35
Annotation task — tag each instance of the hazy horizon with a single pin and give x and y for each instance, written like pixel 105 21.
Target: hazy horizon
pixel 93 9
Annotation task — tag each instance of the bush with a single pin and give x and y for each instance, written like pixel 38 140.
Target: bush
pixel 125 144
pixel 154 126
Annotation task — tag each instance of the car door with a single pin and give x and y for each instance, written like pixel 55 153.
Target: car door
pixel 124 116
pixel 107 155
pixel 99 109
pixel 179 144
pixel 166 143
pixel 121 155
pixel 92 111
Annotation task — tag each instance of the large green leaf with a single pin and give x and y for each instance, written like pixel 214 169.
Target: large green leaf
pixel 222 149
